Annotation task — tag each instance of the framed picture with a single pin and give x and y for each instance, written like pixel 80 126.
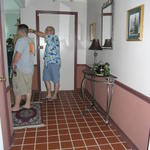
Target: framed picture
pixel 92 31
pixel 135 18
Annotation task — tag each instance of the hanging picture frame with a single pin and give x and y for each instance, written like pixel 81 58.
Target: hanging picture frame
pixel 135 18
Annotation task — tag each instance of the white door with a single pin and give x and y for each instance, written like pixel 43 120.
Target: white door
pixel 64 26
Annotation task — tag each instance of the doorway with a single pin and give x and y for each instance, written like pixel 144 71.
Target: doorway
pixel 66 26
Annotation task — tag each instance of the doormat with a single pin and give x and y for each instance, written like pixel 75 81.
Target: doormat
pixel 28 118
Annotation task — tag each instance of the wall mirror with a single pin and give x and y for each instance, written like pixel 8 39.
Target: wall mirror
pixel 107 25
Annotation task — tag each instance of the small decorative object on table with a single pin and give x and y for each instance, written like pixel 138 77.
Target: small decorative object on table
pixel 101 69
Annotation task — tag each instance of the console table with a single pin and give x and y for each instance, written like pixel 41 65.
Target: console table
pixel 89 75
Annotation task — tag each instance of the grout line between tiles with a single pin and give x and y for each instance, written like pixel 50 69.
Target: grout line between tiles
pixel 67 123
pixel 57 126
pixel 87 123
pixel 106 131
pixel 118 139
pixel 35 139
pixel 23 139
pixel 100 128
pixel 47 125
pixel 79 129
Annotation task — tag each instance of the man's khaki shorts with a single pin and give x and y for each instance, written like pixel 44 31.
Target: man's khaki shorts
pixel 22 83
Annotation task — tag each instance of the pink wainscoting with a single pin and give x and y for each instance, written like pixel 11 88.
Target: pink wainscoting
pixel 129 112
pixel 79 77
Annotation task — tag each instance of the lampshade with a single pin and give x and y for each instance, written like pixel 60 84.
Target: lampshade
pixel 95 45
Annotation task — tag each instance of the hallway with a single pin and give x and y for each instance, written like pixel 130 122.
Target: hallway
pixel 66 129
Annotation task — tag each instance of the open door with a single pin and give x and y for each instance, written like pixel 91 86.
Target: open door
pixel 5 113
pixel 67 33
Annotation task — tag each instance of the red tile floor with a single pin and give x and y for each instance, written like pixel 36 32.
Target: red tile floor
pixel 66 128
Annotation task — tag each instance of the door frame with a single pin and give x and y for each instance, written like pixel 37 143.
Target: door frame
pixel 4 105
pixel 75 14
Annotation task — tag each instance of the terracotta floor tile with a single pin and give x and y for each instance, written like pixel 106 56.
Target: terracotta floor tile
pixel 29 140
pixel 82 124
pixel 74 131
pixel 52 132
pixel 112 139
pixel 66 111
pixel 93 148
pixel 76 136
pixel 105 147
pixel 102 141
pixel 41 146
pixel 53 139
pixel 62 126
pixel 108 133
pixel 61 121
pixel 30 134
pixel 105 128
pixel 41 140
pixel 85 130
pixel 42 128
pixel 53 146
pixel 66 145
pixel 87 135
pixel 63 131
pixel 19 130
pixel 16 148
pixel 28 147
pixel 98 134
pixel 65 138
pixel 31 130
pixel 41 133
pixel 118 147
pixel 90 142
pixel 19 135
pixel 78 143
pixel 92 124
pixel 94 129
pixel 17 141
pixel 72 125
pixel 81 148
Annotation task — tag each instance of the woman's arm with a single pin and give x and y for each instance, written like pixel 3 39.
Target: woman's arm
pixel 41 34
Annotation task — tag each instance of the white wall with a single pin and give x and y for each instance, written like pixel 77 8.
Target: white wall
pixel 129 60
pixel 1 138
pixel 80 6
pixel 93 15
pixel 10 21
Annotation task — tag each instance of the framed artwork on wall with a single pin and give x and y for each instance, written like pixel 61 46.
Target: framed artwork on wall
pixel 135 18
pixel 92 31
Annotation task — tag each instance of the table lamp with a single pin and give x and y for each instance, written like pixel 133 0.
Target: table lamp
pixel 95 46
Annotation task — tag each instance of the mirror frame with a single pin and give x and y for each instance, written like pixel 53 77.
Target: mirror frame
pixel 105 5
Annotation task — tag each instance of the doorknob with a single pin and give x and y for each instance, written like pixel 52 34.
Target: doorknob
pixel 2 79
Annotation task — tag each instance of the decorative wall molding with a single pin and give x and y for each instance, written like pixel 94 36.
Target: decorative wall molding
pixel 134 92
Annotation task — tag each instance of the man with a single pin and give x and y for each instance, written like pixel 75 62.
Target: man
pixel 23 66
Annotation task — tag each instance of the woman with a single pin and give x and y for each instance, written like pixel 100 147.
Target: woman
pixel 51 70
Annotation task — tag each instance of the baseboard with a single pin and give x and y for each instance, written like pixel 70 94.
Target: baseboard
pixel 121 132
